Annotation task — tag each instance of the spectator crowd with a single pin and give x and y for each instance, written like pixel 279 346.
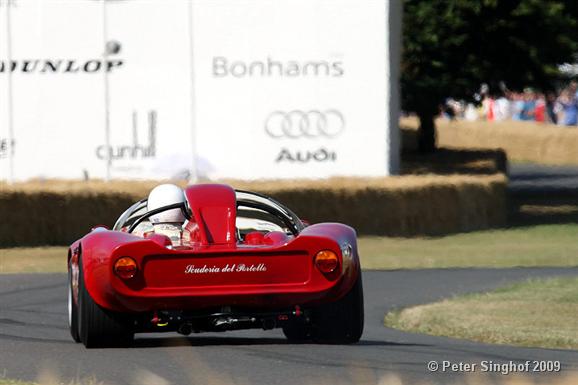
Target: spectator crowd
pixel 559 108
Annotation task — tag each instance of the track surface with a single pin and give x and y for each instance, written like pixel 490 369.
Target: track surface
pixel 535 178
pixel 34 339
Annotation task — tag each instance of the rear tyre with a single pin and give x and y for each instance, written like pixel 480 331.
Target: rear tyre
pixel 340 322
pixel 297 332
pixel 99 327
pixel 72 311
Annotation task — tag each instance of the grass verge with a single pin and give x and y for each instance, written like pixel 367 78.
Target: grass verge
pixel 546 245
pixel 535 313
pixel 33 260
pixel 6 381
pixel 48 381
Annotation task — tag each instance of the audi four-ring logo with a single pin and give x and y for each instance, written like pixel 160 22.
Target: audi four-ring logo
pixel 304 124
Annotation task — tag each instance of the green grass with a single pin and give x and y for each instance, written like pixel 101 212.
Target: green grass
pixel 546 245
pixel 49 381
pixel 5 381
pixel 47 376
pixel 536 313
pixel 33 260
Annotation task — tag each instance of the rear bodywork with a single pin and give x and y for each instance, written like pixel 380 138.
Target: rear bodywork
pixel 215 270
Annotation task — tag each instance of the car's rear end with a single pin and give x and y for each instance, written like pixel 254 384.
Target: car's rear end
pixel 305 271
pixel 219 282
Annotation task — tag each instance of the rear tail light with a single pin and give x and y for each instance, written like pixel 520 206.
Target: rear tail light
pixel 125 267
pixel 326 261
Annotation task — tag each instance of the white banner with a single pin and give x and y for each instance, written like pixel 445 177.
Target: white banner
pixel 211 88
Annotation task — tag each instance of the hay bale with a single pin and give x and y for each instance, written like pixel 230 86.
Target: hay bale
pixel 58 212
pixel 522 141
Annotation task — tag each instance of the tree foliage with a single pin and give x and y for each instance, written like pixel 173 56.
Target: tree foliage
pixel 450 47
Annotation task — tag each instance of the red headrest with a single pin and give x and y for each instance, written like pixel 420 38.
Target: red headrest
pixel 214 208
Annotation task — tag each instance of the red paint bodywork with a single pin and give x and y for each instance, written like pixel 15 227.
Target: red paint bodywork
pixel 274 271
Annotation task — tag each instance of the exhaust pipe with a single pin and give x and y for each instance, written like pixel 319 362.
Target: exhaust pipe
pixel 230 323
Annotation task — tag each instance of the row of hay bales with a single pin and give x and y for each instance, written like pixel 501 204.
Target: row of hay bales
pixel 522 141
pixel 58 212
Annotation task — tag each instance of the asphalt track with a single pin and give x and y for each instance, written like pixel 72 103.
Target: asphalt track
pixel 535 178
pixel 34 340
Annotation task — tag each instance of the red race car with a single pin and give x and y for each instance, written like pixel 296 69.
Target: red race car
pixel 209 258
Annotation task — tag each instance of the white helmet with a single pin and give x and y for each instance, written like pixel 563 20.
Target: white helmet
pixel 165 195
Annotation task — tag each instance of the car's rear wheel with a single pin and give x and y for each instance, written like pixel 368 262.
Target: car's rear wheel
pixel 99 327
pixel 340 322
pixel 72 311
pixel 297 332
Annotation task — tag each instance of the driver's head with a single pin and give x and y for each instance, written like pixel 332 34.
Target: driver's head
pixel 165 195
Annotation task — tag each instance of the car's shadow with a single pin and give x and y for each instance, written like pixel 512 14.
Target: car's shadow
pixel 164 342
